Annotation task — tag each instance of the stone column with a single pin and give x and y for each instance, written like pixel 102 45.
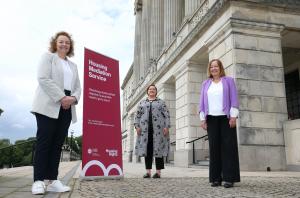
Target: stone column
pixel 145 38
pixel 130 139
pixel 166 92
pixel 137 41
pixel 251 53
pixel 124 136
pixel 173 15
pixel 190 7
pixel 157 28
pixel 188 84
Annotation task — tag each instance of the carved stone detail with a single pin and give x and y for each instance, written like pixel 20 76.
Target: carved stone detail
pixel 137 6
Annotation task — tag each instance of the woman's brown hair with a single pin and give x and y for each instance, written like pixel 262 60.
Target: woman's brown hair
pixel 221 67
pixel 152 85
pixel 53 41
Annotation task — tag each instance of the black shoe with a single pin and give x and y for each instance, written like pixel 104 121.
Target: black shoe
pixel 215 184
pixel 228 184
pixel 147 175
pixel 156 175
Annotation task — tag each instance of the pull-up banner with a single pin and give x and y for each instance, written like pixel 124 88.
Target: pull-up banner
pixel 101 151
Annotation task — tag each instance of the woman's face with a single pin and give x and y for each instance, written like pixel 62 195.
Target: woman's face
pixel 63 45
pixel 152 91
pixel 214 69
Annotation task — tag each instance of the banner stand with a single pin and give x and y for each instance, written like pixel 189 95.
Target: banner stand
pixel 101 139
pixel 95 178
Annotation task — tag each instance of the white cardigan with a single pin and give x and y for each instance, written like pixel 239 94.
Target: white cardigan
pixel 50 89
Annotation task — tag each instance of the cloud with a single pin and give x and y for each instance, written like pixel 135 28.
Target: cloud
pixel 106 26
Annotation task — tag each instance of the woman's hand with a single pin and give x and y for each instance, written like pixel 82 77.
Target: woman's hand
pixel 138 131
pixel 67 101
pixel 166 131
pixel 232 122
pixel 203 125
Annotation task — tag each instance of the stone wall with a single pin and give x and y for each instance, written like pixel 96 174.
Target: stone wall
pixel 292 149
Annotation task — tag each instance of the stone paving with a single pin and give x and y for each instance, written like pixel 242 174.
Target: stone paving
pixel 175 182
pixel 16 182
pixel 188 182
pixel 188 187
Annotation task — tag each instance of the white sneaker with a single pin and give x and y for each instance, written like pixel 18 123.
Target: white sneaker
pixel 38 188
pixel 57 186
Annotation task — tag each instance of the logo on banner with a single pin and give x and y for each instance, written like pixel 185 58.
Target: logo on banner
pixel 103 168
pixel 93 152
pixel 112 152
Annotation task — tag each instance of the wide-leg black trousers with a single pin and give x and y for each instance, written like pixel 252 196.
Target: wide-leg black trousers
pixel 50 136
pixel 223 150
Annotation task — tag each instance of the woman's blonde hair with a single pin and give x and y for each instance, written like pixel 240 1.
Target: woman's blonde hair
pixel 220 64
pixel 53 47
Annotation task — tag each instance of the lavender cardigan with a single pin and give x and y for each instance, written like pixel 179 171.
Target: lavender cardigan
pixel 230 98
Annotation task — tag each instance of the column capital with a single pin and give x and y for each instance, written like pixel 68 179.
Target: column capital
pixel 138 6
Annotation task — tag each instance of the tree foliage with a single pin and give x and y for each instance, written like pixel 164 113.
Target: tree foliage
pixel 19 154
pixel 75 144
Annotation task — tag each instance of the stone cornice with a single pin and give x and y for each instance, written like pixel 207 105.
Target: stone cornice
pixel 127 77
pixel 277 3
pixel 234 25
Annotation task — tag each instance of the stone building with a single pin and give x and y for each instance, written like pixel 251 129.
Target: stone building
pixel 259 43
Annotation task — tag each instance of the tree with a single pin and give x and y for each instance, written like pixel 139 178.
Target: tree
pixel 4 143
pixel 76 144
pixel 19 154
pixel 4 152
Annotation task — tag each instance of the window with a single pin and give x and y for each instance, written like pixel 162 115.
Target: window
pixel 292 88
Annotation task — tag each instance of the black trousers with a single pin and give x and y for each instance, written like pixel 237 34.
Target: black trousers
pixel 223 150
pixel 50 136
pixel 159 161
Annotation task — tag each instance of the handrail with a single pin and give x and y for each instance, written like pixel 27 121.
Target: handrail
pixel 193 141
pixel 197 139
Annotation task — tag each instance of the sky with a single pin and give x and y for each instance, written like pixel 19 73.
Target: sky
pixel 105 26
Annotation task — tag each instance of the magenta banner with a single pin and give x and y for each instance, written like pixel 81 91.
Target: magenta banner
pixel 101 143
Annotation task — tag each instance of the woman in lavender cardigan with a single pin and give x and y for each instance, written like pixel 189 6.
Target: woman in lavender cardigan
pixel 218 113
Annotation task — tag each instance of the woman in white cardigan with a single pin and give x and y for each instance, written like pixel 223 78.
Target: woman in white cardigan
pixel 54 103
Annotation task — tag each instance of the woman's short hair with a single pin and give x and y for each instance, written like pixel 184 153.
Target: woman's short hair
pixel 53 40
pixel 152 85
pixel 221 67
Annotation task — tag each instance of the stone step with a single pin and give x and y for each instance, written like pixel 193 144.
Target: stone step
pixel 202 163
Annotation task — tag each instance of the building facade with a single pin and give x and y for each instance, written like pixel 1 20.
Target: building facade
pixel 258 42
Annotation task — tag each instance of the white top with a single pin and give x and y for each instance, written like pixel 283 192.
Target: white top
pixel 68 75
pixel 215 99
pixel 215 102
